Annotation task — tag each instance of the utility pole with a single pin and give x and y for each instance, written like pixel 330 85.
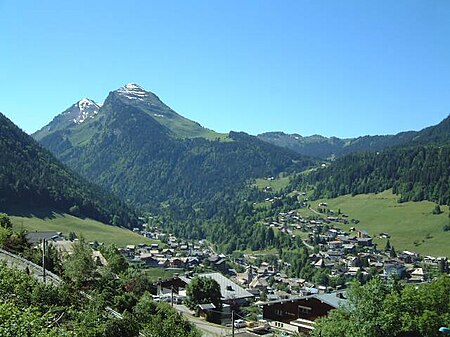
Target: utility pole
pixel 171 293
pixel 232 323
pixel 43 260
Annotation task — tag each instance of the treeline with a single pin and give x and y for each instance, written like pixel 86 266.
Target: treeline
pixel 415 173
pixel 31 177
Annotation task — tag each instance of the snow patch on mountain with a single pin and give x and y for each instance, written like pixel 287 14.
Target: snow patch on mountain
pixel 133 91
pixel 87 108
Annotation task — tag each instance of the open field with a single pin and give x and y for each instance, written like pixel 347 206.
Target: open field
pixel 412 225
pixel 276 184
pixel 65 223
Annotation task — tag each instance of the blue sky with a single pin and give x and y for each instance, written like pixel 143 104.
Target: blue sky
pixel 337 68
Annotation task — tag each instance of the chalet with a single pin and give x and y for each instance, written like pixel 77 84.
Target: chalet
pixel 362 234
pixel 334 255
pixel 177 262
pixel 99 258
pixel 204 310
pixel 149 260
pixel 334 244
pixel 417 276
pixel 349 248
pixel 394 269
pixel 131 248
pixel 323 263
pixel 364 242
pixel 232 294
pixel 408 257
pixel 298 314
pixel 218 263
pixel 192 262
pixel 352 271
pixel 36 237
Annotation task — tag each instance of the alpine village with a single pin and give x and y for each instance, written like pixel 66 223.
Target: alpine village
pixel 127 219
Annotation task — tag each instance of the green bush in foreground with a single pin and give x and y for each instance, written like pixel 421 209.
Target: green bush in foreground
pixel 380 310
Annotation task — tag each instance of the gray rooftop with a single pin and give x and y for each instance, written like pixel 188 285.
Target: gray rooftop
pixel 228 288
pixel 35 237
pixel 331 299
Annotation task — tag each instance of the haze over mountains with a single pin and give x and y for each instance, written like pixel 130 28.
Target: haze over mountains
pixel 328 148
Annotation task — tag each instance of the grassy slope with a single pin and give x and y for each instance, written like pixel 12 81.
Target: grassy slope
pixel 90 229
pixel 406 222
pixel 277 184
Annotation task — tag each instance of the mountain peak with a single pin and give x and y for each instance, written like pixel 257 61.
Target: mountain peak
pixel 85 108
pixel 85 102
pixel 133 91
pixel 133 86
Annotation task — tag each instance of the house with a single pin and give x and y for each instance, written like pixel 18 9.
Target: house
pixel 349 248
pixel 297 314
pixel 99 258
pixel 394 269
pixel 149 260
pixel 232 293
pixel 408 257
pixel 323 263
pixel 259 283
pixel 204 310
pixel 364 241
pixel 177 262
pixel 36 237
pixel 218 263
pixel 362 234
pixel 334 244
pixel 417 276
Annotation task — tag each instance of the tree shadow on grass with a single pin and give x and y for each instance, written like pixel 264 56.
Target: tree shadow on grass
pixel 33 212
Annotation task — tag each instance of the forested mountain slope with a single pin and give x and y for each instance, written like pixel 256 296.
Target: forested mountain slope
pixel 143 151
pixel 417 173
pixel 31 177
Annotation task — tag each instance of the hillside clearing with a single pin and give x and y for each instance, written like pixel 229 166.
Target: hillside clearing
pixel 276 184
pixel 412 225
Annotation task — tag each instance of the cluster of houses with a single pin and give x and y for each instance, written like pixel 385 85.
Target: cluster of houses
pixel 300 302
pixel 289 304
pixel 354 253
pixel 183 257
pixel 289 312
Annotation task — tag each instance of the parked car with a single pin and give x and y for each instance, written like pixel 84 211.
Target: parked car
pixel 239 323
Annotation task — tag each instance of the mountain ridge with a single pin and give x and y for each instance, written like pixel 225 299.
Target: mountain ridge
pixel 332 147
pixel 31 176
pixel 139 155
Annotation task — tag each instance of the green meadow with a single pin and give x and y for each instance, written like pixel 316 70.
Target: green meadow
pixel 276 184
pixel 411 225
pixel 91 230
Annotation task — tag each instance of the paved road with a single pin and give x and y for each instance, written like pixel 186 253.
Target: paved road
pixel 208 329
